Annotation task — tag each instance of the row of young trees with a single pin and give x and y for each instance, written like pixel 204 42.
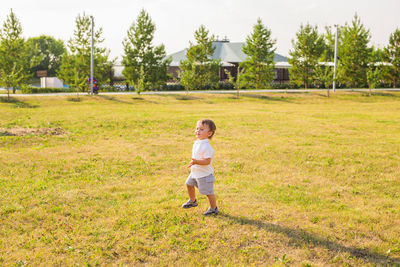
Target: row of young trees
pixel 20 59
pixel 199 69
pixel 359 65
pixel 145 65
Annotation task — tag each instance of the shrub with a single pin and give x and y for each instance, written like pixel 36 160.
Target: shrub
pixel 225 86
pixel 173 87
pixel 282 86
pixel 180 87
pixel 108 88
pixel 39 90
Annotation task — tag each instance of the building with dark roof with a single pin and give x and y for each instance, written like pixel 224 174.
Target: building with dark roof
pixel 230 55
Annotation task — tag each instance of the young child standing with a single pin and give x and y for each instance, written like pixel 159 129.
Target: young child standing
pixel 201 171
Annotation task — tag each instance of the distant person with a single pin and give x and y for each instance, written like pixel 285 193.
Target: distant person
pixel 95 85
pixel 201 171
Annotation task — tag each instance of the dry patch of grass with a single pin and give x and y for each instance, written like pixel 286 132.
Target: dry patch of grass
pixel 301 179
pixel 20 131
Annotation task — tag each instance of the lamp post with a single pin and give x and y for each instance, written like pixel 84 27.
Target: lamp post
pixel 91 60
pixel 335 59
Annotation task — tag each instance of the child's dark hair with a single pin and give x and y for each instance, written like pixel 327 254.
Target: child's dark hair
pixel 211 126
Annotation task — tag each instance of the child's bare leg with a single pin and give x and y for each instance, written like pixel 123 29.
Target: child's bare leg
pixel 192 192
pixel 213 201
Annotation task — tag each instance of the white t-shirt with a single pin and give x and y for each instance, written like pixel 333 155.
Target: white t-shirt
pixel 202 150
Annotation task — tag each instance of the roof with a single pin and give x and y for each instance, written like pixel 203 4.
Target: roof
pixel 225 51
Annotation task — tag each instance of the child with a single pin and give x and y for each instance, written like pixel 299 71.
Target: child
pixel 201 171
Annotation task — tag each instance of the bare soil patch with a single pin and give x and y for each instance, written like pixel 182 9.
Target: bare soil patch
pixel 20 131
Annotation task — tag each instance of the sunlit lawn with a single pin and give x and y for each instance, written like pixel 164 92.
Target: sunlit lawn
pixel 301 179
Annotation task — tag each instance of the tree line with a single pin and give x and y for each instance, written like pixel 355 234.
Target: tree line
pixel 358 65
pixel 146 65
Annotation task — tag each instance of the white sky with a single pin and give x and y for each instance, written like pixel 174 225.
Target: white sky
pixel 176 20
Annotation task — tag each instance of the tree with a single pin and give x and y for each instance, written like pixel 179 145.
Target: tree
pixel 14 67
pixel 324 75
pixel 376 68
pixel 392 54
pixel 199 69
pixel 324 71
pixel 12 78
pixel 258 67
pixel 354 54
pixel 308 49
pixel 50 52
pixel 237 83
pixel 329 50
pixel 144 64
pixel 75 63
pixel 73 71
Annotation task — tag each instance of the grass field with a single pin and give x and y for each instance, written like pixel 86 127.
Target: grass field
pixel 301 179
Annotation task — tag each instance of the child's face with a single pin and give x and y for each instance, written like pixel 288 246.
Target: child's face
pixel 202 131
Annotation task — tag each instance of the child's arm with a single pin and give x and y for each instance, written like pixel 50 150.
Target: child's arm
pixel 199 162
pixel 202 161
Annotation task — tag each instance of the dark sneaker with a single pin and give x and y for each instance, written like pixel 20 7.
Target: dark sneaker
pixel 190 204
pixel 211 211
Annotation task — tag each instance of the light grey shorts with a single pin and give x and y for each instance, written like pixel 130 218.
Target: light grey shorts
pixel 204 184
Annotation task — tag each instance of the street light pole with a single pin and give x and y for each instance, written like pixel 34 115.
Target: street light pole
pixel 335 63
pixel 91 60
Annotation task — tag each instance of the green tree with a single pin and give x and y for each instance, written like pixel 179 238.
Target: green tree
pixel 392 54
pixel 144 64
pixel 48 50
pixel 329 50
pixel 199 69
pixel 258 67
pixel 308 49
pixel 354 54
pixel 141 84
pixel 75 63
pixel 73 71
pixel 11 78
pixel 237 83
pixel 376 68
pixel 14 66
pixel 324 75
pixel 324 70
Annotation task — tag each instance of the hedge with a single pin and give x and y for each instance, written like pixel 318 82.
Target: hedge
pixel 39 90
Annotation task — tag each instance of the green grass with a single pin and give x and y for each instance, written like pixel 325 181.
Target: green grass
pixel 301 179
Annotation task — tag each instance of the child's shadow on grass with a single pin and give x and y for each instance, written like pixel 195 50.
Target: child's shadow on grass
pixel 17 103
pixel 301 237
